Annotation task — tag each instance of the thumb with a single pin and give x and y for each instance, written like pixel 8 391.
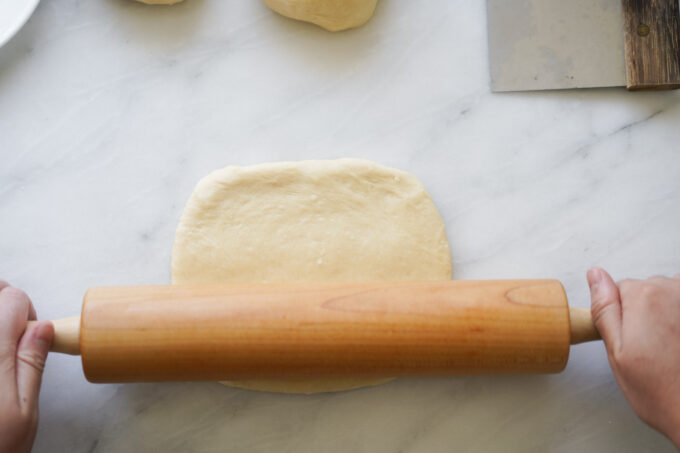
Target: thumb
pixel 605 305
pixel 31 356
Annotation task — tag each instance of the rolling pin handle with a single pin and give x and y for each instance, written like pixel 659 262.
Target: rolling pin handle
pixel 581 325
pixel 66 335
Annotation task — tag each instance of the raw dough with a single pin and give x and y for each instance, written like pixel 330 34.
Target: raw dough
pixel 333 15
pixel 338 220
pixel 159 2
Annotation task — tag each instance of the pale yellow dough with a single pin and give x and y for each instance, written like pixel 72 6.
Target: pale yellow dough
pixel 159 2
pixel 338 220
pixel 333 15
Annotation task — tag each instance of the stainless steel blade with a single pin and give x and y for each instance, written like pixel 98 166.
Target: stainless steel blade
pixel 555 44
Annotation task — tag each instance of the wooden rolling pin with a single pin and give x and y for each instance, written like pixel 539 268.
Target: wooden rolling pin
pixel 161 333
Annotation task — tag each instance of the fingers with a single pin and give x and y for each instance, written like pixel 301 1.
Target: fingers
pixel 14 311
pixel 31 356
pixel 32 315
pixel 605 305
pixel 22 351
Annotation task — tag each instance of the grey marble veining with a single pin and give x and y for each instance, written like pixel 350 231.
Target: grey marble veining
pixel 111 111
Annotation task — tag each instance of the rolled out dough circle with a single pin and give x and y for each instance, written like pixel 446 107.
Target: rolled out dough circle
pixel 337 220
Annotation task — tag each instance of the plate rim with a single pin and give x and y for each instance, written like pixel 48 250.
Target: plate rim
pixel 21 17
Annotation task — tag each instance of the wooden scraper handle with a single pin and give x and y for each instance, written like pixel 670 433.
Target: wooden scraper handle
pixel 305 330
pixel 651 31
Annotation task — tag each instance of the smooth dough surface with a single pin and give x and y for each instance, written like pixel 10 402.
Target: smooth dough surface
pixel 337 220
pixel 159 2
pixel 333 15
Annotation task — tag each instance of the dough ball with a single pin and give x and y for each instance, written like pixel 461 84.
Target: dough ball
pixel 159 2
pixel 338 220
pixel 333 15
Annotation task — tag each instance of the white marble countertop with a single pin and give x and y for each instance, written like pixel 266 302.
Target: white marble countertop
pixel 111 111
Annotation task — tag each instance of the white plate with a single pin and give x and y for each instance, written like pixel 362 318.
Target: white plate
pixel 13 16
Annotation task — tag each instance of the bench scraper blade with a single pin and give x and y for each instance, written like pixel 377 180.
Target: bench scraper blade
pixel 555 44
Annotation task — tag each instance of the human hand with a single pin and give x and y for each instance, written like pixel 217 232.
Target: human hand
pixel 639 321
pixel 22 359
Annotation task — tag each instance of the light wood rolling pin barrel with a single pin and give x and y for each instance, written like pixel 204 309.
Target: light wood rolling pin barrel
pixel 311 330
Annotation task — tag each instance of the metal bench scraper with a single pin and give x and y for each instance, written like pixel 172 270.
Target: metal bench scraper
pixel 557 44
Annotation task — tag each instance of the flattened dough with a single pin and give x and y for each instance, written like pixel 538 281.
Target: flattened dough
pixel 337 220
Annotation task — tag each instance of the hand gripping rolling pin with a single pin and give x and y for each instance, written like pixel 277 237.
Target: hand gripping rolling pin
pixel 312 330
